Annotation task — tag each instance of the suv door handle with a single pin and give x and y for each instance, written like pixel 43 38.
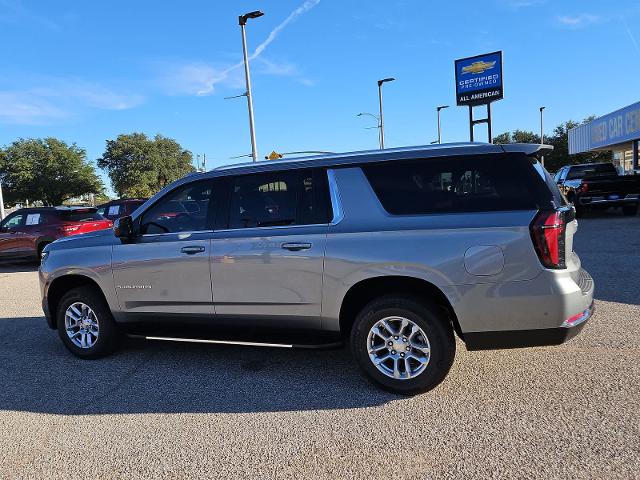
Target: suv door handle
pixel 192 250
pixel 294 246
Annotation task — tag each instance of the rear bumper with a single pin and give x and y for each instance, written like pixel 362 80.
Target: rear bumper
pixel 529 338
pixel 602 201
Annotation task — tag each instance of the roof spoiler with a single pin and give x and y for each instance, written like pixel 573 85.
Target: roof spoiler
pixel 530 149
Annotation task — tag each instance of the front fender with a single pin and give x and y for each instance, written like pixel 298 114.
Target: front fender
pixel 89 262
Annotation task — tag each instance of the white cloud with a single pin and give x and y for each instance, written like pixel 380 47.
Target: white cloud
pixel 57 98
pixel 24 108
pixel 13 11
pixel 578 21
pixel 518 4
pixel 198 78
pixel 268 67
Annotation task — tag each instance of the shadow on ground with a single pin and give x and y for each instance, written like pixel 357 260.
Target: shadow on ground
pixel 39 375
pixel 608 244
pixel 16 267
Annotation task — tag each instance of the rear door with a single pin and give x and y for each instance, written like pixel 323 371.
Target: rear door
pixel 33 229
pixel 165 269
pixel 267 265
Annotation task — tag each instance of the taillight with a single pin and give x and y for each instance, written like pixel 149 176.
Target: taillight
pixel 69 229
pixel 548 235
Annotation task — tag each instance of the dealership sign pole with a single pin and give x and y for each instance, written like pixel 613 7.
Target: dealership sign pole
pixel 479 82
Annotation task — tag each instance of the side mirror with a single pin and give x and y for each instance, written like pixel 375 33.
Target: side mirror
pixel 123 227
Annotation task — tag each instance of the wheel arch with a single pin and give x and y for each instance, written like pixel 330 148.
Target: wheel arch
pixel 61 285
pixel 363 292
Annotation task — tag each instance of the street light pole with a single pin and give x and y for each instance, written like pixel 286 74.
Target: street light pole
pixel 441 107
pixel 242 20
pixel 380 82
pixel 542 131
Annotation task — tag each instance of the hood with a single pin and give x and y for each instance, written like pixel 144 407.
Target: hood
pixel 91 239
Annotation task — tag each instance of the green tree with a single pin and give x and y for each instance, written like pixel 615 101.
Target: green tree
pixel 139 166
pixel 559 139
pixel 560 155
pixel 47 170
pixel 518 136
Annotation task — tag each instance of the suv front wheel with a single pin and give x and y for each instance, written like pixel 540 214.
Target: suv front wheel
pixel 403 344
pixel 85 323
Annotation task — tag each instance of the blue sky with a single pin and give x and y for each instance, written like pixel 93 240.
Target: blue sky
pixel 87 71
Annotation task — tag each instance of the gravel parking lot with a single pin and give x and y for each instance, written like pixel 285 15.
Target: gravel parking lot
pixel 159 410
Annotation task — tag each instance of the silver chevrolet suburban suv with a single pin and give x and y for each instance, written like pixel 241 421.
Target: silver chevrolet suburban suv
pixel 396 251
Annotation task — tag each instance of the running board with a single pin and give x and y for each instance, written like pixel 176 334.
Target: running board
pixel 235 342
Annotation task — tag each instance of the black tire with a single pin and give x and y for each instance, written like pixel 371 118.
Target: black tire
pixel 430 318
pixel 108 334
pixel 630 210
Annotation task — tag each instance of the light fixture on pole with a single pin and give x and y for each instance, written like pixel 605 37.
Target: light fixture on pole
pixel 380 82
pixel 362 114
pixel 242 20
pixel 441 107
pixel 542 131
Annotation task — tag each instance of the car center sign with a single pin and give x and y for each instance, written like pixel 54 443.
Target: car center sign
pixel 479 79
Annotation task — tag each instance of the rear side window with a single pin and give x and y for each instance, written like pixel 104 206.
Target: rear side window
pixel 459 184
pixel 290 197
pixel 80 215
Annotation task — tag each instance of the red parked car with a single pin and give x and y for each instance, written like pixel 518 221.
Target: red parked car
pixel 119 208
pixel 25 232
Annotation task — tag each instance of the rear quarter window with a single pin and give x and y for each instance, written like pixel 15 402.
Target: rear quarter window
pixel 482 183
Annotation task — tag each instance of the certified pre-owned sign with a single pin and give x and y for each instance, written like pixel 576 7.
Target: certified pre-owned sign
pixel 479 79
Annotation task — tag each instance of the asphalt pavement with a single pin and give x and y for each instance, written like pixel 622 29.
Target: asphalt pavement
pixel 163 410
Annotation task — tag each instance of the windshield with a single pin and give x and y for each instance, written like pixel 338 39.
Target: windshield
pixel 576 173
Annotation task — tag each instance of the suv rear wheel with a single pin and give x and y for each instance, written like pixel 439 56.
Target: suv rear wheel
pixel 630 210
pixel 85 323
pixel 403 344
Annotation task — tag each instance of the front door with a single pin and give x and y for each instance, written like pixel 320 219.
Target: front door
pixel 13 240
pixel 165 270
pixel 267 265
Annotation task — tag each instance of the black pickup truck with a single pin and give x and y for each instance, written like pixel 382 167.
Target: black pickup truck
pixel 598 185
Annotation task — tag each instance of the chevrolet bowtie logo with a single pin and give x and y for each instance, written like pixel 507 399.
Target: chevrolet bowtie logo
pixel 478 67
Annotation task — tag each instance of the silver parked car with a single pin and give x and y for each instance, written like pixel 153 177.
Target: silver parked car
pixel 396 250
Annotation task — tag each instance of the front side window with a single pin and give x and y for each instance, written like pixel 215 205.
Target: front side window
pixel 186 209
pixel 13 221
pixel 278 199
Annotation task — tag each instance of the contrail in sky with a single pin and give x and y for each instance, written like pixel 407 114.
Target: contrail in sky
pixel 305 7
pixel 631 36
